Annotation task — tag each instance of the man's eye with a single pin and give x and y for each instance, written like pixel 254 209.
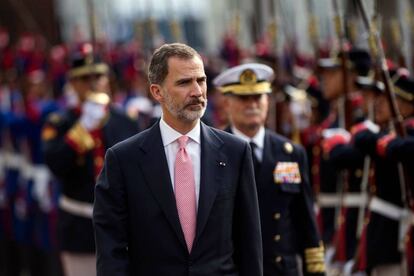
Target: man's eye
pixel 182 83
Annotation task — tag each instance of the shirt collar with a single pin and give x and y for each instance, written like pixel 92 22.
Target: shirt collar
pixel 169 135
pixel 258 139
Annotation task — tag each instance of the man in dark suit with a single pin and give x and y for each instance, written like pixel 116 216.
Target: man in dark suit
pixel 285 201
pixel 178 198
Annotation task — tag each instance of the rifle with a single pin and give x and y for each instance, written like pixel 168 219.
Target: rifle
pixel 345 114
pixel 174 24
pixel 313 30
pixel 375 41
pixel 345 121
pixel 92 30
pixel 397 41
pixel 376 46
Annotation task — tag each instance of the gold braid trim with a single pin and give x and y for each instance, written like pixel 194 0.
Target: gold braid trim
pixel 314 259
pixel 81 138
pixel 315 268
pixel 317 259
pixel 313 250
pixel 403 94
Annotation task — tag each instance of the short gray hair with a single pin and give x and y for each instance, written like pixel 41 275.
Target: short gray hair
pixel 158 68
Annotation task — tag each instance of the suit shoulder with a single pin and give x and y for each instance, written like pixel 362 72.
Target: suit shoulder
pixel 130 143
pixel 228 137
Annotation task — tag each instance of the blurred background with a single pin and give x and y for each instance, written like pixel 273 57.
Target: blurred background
pixel 38 39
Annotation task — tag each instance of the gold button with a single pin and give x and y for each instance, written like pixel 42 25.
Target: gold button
pixel 276 238
pixel 278 259
pixel 288 147
pixel 276 216
pixel 358 173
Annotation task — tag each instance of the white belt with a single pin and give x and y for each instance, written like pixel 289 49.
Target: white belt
pixel 349 200
pixel 41 179
pixel 75 207
pixel 389 210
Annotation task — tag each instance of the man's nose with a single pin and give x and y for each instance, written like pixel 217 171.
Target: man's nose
pixel 197 90
pixel 252 101
pixel 92 84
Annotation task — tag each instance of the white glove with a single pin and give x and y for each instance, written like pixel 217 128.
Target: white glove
pixel 41 180
pixel 330 132
pixel 372 126
pixel 138 105
pixel 92 115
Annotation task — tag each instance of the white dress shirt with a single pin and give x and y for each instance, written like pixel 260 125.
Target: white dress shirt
pixel 258 139
pixel 169 138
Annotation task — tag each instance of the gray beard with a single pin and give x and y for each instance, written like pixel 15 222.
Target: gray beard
pixel 181 112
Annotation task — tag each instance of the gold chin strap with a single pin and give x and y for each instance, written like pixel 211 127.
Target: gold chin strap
pixel 403 94
pixel 247 89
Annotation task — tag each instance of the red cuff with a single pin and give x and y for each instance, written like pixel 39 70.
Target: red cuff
pixel 383 142
pixel 358 128
pixel 329 143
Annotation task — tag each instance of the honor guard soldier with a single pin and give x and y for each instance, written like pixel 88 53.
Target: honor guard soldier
pixel 327 175
pixel 287 216
pixel 401 149
pixel 386 238
pixel 75 142
pixel 342 154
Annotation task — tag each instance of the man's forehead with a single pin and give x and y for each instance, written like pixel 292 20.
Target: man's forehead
pixel 178 59
pixel 185 66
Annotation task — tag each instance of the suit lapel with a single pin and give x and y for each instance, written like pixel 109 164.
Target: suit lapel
pixel 211 176
pixel 155 169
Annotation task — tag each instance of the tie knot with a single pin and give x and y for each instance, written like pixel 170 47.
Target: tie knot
pixel 253 145
pixel 182 141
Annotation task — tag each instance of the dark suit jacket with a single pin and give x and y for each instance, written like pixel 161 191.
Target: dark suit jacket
pixel 286 212
pixel 136 221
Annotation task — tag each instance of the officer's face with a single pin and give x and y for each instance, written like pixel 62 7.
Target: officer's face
pixel 382 110
pixel 332 83
pixel 369 99
pixel 85 84
pixel 248 112
pixel 183 94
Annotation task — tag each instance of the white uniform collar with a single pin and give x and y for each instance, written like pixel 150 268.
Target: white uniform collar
pixel 258 139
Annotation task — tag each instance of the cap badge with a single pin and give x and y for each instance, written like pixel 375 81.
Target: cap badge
pixel 248 76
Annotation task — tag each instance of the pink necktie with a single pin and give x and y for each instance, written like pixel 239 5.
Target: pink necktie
pixel 185 196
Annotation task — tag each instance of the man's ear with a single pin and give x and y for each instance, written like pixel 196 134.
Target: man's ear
pixel 156 92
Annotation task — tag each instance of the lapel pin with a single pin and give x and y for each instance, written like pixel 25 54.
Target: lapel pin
pixel 222 164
